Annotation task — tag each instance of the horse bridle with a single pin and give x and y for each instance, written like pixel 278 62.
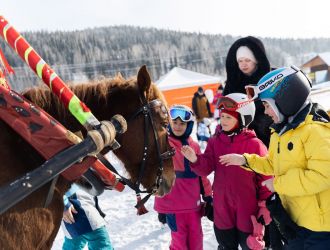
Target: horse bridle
pixel 146 111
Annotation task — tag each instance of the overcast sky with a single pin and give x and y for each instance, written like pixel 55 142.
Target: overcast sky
pixel 265 18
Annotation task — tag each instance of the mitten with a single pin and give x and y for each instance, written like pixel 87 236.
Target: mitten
pixel 255 240
pixel 208 207
pixel 258 228
pixel 263 213
pixel 162 218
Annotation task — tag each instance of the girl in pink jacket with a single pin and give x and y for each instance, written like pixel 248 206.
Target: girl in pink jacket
pixel 183 206
pixel 236 192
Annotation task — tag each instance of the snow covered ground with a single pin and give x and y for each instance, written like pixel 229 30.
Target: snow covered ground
pixel 131 232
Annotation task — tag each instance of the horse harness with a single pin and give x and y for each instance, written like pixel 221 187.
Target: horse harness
pixel 39 129
pixel 15 107
pixel 146 110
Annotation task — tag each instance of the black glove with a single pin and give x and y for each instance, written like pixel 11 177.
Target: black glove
pixel 282 220
pixel 162 218
pixel 208 207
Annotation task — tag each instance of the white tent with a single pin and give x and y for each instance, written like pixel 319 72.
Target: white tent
pixel 181 78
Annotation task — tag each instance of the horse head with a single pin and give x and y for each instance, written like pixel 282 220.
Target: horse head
pixel 144 147
pixel 147 117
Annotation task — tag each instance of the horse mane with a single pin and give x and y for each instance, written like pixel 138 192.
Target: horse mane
pixel 100 89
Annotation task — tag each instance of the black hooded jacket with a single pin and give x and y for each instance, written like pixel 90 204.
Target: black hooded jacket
pixel 237 80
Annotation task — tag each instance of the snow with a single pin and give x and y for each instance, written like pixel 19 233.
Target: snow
pixel 129 231
pixel 325 57
pixel 320 94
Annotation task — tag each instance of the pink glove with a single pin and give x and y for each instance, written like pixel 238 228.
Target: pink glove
pixel 255 241
pixel 264 212
pixel 258 228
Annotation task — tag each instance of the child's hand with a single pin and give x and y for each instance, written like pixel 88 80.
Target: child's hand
pixel 269 184
pixel 232 159
pixel 68 215
pixel 263 213
pixel 189 153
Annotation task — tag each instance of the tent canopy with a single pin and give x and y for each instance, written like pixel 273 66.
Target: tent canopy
pixel 181 78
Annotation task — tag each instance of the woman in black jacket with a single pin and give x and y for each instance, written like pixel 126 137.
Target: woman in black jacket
pixel 245 53
pixel 246 63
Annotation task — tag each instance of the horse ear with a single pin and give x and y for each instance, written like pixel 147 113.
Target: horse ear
pixel 119 75
pixel 144 80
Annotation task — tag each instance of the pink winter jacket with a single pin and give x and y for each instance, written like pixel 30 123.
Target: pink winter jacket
pixel 185 194
pixel 235 191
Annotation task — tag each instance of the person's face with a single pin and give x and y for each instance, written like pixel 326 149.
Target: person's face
pixel 178 127
pixel 246 65
pixel 270 112
pixel 227 121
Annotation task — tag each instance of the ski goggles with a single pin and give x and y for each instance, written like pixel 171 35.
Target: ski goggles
pixel 184 115
pixel 231 105
pixel 253 91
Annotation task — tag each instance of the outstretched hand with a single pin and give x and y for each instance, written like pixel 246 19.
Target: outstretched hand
pixel 232 159
pixel 68 215
pixel 189 153
pixel 269 184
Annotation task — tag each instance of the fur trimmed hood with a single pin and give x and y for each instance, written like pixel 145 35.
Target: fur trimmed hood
pixel 236 80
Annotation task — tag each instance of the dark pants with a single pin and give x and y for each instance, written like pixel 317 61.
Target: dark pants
pixel 230 239
pixel 273 237
pixel 310 240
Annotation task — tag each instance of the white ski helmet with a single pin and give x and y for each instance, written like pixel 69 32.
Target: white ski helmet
pixel 241 104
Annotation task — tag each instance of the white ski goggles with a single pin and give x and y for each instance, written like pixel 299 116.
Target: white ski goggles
pixel 253 91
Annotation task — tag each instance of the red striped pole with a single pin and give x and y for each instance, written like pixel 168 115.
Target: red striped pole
pixel 77 108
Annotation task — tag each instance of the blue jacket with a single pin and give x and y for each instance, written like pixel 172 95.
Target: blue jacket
pixel 87 219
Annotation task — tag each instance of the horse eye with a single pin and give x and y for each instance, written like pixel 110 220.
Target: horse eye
pixel 164 109
pixel 164 124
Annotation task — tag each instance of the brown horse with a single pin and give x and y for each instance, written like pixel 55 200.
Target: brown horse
pixel 30 225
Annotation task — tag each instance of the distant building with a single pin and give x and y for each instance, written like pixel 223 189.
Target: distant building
pixel 318 68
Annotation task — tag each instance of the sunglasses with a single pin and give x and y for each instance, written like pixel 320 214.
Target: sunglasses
pixel 253 91
pixel 184 115
pixel 231 105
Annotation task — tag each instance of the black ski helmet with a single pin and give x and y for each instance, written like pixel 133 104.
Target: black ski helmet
pixel 289 87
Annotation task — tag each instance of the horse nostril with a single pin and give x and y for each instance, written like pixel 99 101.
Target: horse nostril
pixel 163 189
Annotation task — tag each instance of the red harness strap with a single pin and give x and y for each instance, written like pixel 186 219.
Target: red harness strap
pixel 46 134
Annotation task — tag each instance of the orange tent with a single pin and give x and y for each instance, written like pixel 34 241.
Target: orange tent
pixel 179 85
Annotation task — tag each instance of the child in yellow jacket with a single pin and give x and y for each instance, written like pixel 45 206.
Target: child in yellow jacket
pixel 299 157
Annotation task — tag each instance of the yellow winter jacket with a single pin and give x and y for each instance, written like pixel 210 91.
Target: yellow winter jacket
pixel 299 158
